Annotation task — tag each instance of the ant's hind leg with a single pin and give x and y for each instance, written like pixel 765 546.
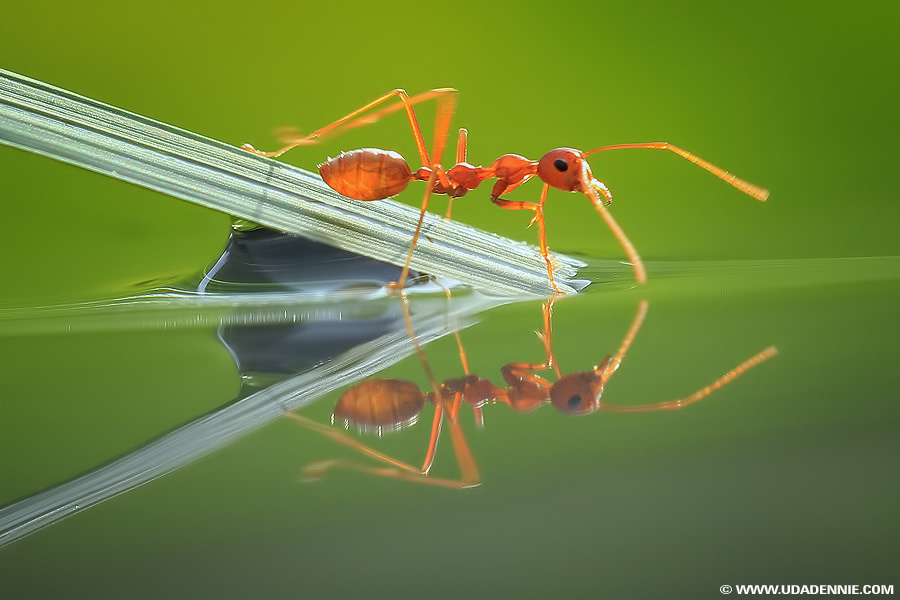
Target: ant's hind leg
pixel 358 118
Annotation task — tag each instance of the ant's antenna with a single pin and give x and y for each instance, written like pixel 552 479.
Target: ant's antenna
pixel 754 191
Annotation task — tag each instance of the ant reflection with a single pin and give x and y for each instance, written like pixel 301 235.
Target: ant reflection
pixel 383 405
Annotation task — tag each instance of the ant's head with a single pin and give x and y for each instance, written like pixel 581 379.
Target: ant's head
pixel 564 169
pixel 578 393
pixel 568 169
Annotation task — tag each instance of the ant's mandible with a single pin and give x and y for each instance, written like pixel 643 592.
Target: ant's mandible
pixel 373 174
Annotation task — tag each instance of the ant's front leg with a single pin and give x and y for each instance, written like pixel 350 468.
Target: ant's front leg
pixel 527 390
pixel 538 209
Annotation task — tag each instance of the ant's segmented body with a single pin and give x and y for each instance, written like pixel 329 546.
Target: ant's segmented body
pixel 373 174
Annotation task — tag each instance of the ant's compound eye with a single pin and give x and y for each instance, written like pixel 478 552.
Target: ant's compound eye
pixel 575 394
pixel 575 402
pixel 561 165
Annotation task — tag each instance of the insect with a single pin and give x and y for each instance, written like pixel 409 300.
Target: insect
pixel 373 174
pixel 384 405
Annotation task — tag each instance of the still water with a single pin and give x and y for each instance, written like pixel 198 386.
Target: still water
pixel 787 475
pixel 780 471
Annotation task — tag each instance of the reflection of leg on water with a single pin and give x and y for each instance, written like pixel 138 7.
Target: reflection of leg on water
pixel 384 404
pixel 387 391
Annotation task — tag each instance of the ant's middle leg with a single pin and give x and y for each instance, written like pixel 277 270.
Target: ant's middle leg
pixel 461 144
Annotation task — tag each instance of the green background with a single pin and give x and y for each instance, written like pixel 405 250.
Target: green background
pixel 786 476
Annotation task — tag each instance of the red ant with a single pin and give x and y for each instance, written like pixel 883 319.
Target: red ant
pixel 382 405
pixel 373 174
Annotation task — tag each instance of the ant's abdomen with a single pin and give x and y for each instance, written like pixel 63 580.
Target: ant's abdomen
pixel 380 405
pixel 367 174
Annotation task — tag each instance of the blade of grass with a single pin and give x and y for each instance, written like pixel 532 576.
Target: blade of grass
pixel 40 118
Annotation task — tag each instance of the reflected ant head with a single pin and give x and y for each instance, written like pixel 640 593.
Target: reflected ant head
pixel 578 393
